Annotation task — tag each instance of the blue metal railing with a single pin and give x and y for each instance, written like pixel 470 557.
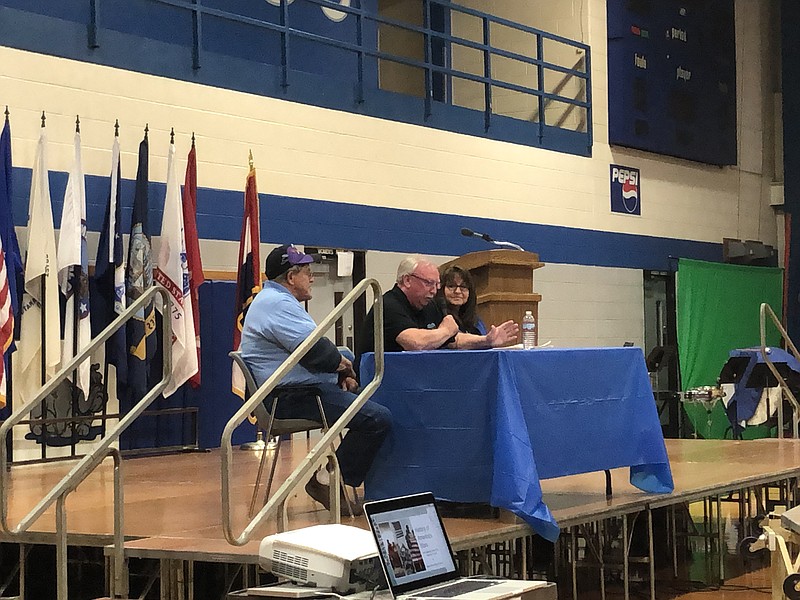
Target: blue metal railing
pixel 289 32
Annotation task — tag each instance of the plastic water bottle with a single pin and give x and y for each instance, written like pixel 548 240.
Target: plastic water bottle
pixel 528 331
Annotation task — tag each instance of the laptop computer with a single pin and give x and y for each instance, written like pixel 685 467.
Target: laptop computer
pixel 417 559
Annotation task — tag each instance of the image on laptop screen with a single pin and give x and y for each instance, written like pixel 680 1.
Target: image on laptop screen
pixel 412 543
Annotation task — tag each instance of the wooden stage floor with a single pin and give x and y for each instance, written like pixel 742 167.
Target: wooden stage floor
pixel 178 496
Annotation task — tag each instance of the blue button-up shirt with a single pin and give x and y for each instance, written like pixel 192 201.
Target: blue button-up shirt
pixel 275 325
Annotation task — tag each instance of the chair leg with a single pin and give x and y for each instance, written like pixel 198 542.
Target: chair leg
pixel 337 481
pixel 337 472
pixel 264 453
pixel 272 469
pixel 260 474
pixel 333 490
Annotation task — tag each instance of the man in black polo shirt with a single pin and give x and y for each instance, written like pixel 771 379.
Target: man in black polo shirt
pixel 411 321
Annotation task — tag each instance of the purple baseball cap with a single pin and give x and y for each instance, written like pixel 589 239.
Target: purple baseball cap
pixel 283 258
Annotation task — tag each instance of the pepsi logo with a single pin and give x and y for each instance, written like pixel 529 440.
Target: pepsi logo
pixel 625 190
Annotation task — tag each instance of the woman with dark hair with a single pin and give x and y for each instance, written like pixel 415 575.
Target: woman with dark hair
pixel 457 298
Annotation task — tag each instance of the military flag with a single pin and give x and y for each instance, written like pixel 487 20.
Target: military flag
pixel 107 285
pixel 138 279
pixel 172 272
pixel 193 260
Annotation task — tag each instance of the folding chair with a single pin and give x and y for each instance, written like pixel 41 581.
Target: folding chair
pixel 272 426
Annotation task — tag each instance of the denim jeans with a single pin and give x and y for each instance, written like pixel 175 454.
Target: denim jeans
pixel 366 430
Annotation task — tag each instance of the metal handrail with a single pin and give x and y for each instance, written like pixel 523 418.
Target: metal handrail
pixel 322 447
pixel 89 462
pixel 766 310
pixel 290 31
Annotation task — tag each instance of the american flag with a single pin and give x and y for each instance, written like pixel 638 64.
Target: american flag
pixel 6 322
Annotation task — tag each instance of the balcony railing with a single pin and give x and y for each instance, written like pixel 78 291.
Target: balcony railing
pixel 443 54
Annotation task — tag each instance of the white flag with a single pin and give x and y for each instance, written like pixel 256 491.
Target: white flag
pixel 73 267
pixel 173 273
pixel 40 301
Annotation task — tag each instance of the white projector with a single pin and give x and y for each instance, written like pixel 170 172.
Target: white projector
pixel 338 557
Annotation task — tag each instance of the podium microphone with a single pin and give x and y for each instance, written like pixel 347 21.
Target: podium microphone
pixel 486 238
pixel 469 233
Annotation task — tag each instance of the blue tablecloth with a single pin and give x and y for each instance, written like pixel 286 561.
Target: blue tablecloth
pixel 747 393
pixel 487 425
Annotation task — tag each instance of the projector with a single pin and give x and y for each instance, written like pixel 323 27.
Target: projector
pixel 338 557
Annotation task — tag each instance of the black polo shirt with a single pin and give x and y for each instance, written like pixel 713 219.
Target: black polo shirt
pixel 398 315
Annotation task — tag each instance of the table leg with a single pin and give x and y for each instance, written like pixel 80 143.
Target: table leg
pixel 574 550
pixel 601 557
pixel 23 553
pixel 673 530
pixel 190 579
pixel 180 582
pixel 720 542
pixel 164 579
pixel 625 556
pixel 651 555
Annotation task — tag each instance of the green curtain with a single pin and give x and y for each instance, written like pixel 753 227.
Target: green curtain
pixel 718 311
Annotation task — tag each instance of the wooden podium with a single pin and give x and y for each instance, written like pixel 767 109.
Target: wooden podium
pixel 503 283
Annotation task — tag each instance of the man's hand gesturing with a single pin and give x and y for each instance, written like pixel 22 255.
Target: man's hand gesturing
pixel 502 335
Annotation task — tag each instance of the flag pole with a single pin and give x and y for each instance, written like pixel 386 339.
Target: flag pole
pixel 44 342
pixel 260 444
pixel 111 241
pixel 9 366
pixel 76 315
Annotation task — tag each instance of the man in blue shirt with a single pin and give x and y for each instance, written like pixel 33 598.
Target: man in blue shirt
pixel 276 323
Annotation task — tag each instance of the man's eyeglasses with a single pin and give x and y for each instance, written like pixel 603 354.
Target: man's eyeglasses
pixel 428 282
pixel 453 287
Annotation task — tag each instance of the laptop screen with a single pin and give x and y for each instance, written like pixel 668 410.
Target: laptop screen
pixel 412 544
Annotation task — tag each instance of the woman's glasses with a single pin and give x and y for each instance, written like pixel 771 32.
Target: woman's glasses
pixel 453 287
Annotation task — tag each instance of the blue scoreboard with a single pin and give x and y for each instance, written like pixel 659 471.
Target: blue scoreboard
pixel 672 78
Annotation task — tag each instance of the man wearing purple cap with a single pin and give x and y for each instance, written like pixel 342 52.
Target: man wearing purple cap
pixel 276 323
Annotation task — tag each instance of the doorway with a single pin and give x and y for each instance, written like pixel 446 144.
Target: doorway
pixel 661 349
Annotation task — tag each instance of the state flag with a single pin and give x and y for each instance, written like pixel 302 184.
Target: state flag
pixel 248 280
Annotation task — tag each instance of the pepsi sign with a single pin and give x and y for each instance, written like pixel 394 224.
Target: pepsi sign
pixel 626 190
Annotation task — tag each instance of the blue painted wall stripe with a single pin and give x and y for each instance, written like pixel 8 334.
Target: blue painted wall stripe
pixel 354 226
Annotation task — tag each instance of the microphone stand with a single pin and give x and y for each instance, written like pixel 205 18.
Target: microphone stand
pixel 508 245
pixel 466 232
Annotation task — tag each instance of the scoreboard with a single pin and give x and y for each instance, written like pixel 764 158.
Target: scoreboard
pixel 672 78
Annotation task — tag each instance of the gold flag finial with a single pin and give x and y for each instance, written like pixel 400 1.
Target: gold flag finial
pixel 116 128
pixel 77 123
pixel 250 160
pixel 44 118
